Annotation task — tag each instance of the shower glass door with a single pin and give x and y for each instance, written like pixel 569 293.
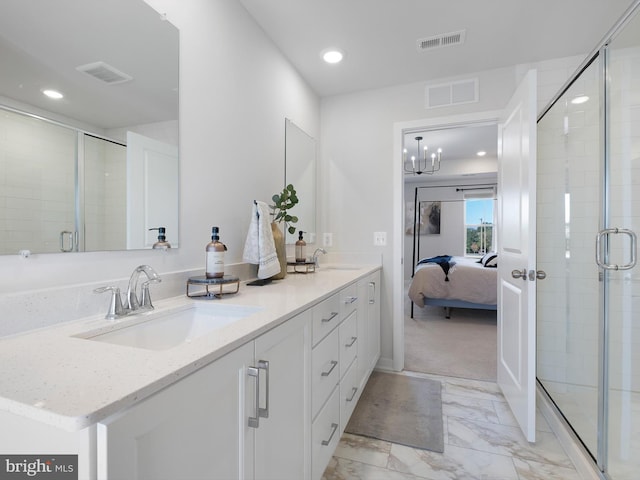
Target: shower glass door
pixel 622 425
pixel 568 206
pixel 588 217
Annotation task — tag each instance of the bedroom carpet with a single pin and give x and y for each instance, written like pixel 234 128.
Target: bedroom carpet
pixel 463 346
pixel 400 409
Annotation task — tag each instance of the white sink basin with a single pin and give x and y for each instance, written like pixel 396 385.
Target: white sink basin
pixel 164 330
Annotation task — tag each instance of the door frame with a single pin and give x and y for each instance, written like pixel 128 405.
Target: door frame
pixel 399 128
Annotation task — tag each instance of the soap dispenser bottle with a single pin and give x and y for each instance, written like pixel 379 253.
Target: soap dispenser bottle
pixel 301 249
pixel 162 243
pixel 215 255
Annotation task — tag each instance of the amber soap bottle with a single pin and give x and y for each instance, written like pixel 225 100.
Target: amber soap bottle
pixel 215 255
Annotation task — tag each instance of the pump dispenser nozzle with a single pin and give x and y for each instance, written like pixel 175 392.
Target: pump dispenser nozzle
pixel 162 243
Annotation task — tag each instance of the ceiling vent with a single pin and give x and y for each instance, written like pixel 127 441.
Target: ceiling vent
pixel 452 93
pixel 442 40
pixel 105 73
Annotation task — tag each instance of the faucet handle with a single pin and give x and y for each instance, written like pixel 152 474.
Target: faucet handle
pixel 145 295
pixel 115 304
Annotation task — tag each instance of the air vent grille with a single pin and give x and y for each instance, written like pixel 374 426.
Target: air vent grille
pixel 442 40
pixel 105 73
pixel 452 93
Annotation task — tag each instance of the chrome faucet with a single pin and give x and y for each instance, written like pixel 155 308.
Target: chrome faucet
pixel 314 258
pixel 134 302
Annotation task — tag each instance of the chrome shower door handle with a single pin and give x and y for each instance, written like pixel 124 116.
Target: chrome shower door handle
pixel 633 248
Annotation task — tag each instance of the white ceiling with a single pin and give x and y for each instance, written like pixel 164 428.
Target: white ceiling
pixel 379 36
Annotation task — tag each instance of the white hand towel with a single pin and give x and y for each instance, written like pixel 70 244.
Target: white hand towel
pixel 259 248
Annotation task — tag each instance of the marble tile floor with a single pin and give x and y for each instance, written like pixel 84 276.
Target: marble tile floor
pixel 482 442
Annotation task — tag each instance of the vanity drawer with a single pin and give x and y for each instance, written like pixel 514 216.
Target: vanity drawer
pixel 349 394
pixel 325 370
pixel 326 315
pixel 348 300
pixel 325 435
pixel 348 333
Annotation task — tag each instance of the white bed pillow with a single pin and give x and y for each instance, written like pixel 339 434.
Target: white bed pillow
pixel 489 260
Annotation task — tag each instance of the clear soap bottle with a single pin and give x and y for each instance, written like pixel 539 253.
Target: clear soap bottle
pixel 162 243
pixel 215 255
pixel 301 249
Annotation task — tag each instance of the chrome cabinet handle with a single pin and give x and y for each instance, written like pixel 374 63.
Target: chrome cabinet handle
pixel 519 274
pixel 264 412
pixel 331 317
pixel 350 344
pixel 353 394
pixel 349 300
pixel 334 427
pixel 633 247
pixel 254 422
pixel 372 293
pixel 333 365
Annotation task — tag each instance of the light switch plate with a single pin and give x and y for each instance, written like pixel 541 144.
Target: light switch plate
pixel 380 239
pixel 327 239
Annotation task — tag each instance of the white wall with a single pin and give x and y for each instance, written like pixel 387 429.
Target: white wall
pixel 235 91
pixel 357 166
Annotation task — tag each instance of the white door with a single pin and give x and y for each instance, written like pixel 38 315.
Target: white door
pixel 152 191
pixel 516 247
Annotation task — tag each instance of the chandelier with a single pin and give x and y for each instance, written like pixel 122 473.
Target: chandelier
pixel 418 166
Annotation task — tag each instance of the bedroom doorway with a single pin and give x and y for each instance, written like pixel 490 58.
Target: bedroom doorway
pixel 463 345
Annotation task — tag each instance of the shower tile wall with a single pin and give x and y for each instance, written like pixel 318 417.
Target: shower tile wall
pixel 37 177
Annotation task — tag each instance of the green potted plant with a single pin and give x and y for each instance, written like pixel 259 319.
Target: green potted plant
pixel 282 203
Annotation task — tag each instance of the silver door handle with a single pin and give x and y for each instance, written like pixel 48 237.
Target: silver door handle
pixel 540 274
pixel 354 390
pixel 372 293
pixel 72 236
pixel 349 300
pixel 519 274
pixel 633 247
pixel 350 344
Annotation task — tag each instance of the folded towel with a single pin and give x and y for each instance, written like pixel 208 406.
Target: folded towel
pixel 259 248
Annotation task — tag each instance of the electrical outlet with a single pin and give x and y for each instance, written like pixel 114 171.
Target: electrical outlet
pixel 327 239
pixel 312 237
pixel 380 239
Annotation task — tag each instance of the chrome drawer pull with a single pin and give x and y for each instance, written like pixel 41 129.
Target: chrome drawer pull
pixel 349 300
pixel 353 340
pixel 353 394
pixel 254 422
pixel 264 412
pixel 334 427
pixel 333 365
pixel 331 317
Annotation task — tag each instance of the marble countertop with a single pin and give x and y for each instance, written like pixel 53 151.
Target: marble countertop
pixel 52 376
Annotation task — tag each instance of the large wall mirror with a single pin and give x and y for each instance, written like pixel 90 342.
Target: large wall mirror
pixel 98 168
pixel 300 170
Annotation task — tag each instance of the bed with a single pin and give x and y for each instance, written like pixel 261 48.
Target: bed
pixel 458 282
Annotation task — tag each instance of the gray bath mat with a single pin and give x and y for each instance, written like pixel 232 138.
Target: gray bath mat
pixel 400 409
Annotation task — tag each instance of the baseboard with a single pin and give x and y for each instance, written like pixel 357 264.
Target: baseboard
pixel 583 462
pixel 385 364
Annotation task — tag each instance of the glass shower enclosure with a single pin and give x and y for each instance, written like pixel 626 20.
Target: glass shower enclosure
pixel 588 190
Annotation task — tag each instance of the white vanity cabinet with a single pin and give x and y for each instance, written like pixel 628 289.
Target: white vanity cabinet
pixel 240 417
pixel 368 326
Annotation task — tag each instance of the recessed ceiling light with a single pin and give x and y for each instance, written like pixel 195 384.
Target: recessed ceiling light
pixel 580 99
pixel 53 94
pixel 481 153
pixel 332 56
